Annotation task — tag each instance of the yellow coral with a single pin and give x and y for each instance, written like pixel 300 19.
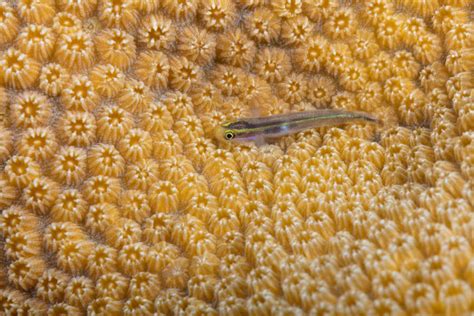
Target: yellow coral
pixel 20 170
pixel 104 306
pixel 6 144
pixel 142 176
pixel 272 64
pixel 125 232
pixel 427 48
pixel 157 32
pixel 69 165
pixel 9 23
pixel 446 16
pixel 65 22
pixel 135 205
pixel 296 31
pixel 197 45
pixel 80 292
pixel 107 80
pixel 40 195
pixel 216 15
pixel 121 14
pixel 153 69
pixel 340 24
pixel 263 25
pixel 75 51
pixel 98 189
pixel 113 123
pixel 18 71
pixel 79 94
pixel 235 48
pixel 181 11
pixel 77 128
pixel 156 118
pixel 52 285
pixel 115 198
pixel 38 11
pixel 183 74
pixel 101 261
pixel 116 47
pixel 72 255
pixel 25 272
pixel 37 42
pixel 53 79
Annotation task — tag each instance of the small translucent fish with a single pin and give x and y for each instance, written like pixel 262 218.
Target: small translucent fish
pixel 260 128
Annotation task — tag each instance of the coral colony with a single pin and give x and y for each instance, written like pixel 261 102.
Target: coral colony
pixel 116 199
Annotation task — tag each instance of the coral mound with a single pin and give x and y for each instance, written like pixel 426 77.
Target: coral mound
pixel 116 198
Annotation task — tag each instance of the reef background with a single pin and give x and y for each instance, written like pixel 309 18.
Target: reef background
pixel 117 198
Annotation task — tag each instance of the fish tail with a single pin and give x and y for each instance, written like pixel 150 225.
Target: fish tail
pixel 344 117
pixel 368 117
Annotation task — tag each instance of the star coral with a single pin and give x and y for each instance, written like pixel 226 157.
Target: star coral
pixel 116 198
pixel 18 71
pixel 9 23
pixel 37 41
pixel 75 51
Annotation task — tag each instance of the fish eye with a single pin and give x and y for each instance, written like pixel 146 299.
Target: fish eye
pixel 229 135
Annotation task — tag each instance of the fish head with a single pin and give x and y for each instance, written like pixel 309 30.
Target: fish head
pixel 235 131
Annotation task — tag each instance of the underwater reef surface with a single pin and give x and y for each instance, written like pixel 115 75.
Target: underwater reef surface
pixel 117 199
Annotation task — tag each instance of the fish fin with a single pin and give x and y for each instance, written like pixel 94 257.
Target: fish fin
pixel 254 141
pixel 260 141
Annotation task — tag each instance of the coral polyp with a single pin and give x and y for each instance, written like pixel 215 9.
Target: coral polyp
pixel 21 170
pixel 75 51
pixel 180 10
pixel 273 64
pixel 30 109
pixel 217 15
pixel 53 79
pixel 36 12
pixel 235 48
pixel 9 23
pixel 18 71
pixel 79 95
pixel 142 176
pixel 107 80
pixel 156 118
pixel 135 96
pixel 136 145
pixel 113 123
pixel 77 128
pixel 116 47
pixel 40 195
pixel 65 22
pixel 104 159
pixel 100 189
pixel 183 74
pixel 38 143
pixel 157 32
pixel 81 9
pixel 153 69
pixel 37 41
pixel 340 24
pixel 197 45
pixel 121 14
pixel 69 165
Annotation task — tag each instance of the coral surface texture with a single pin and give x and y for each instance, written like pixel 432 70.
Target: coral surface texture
pixel 119 194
